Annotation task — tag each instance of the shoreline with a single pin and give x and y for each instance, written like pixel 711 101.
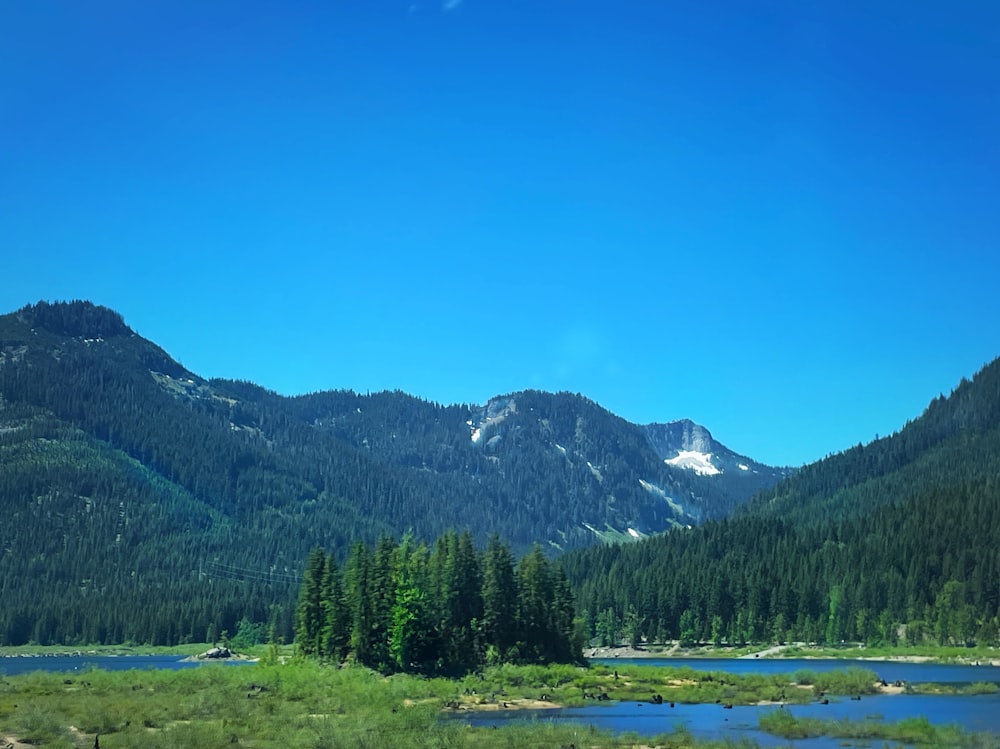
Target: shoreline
pixel 112 652
pixel 191 652
pixel 779 652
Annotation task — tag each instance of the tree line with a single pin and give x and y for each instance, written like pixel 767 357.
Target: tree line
pixel 444 608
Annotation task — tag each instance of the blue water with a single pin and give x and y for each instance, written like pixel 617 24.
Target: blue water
pixel 973 713
pixel 889 670
pixel 11 666
pixel 979 713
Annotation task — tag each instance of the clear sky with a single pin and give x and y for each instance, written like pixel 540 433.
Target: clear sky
pixel 779 219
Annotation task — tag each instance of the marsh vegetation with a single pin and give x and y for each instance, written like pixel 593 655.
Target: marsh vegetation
pixel 303 703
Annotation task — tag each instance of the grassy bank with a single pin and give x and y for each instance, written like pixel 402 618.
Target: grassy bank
pixel 918 731
pixel 979 687
pixel 934 653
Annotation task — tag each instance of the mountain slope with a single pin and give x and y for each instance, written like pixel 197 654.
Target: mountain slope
pixel 685 444
pixel 898 536
pixel 132 479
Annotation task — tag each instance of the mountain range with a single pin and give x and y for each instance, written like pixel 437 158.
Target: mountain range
pixel 125 474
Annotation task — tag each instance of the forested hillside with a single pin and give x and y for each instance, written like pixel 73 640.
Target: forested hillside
pixel 895 540
pixel 148 504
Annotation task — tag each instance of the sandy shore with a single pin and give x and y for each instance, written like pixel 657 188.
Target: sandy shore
pixel 515 704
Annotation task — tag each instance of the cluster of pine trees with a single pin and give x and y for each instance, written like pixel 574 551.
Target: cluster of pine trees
pixel 448 608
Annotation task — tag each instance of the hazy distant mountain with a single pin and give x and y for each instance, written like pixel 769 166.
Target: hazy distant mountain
pixel 125 473
pixel 684 444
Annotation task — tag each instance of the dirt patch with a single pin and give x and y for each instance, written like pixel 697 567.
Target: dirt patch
pixel 510 704
pixel 890 689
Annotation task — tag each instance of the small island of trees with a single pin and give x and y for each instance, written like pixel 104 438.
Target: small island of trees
pixel 449 608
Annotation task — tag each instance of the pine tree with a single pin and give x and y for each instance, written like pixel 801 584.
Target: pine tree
pixel 335 638
pixel 499 598
pixel 357 592
pixel 309 613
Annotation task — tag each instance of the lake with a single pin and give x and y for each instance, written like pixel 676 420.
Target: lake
pixel 973 713
pixel 13 665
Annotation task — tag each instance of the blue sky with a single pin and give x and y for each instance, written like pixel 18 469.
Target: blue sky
pixel 778 219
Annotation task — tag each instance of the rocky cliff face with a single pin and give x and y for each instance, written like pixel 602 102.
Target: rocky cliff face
pixel 684 444
pixel 671 438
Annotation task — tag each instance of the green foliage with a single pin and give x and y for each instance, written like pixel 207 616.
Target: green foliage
pixel 890 543
pixel 408 609
pixel 155 506
pixel 914 731
pixel 248 635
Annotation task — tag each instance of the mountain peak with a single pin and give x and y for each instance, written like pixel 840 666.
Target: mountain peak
pixel 675 436
pixel 76 319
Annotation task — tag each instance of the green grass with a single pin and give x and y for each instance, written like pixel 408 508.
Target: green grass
pixel 53 650
pixel 979 687
pixel 918 731
pixel 303 703
pixel 937 653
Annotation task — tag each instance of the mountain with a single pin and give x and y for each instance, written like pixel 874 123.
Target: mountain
pixel 893 540
pixel 543 457
pixel 684 444
pixel 152 504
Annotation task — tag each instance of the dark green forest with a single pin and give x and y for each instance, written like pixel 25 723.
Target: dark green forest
pixel 446 608
pixel 894 542
pixel 148 504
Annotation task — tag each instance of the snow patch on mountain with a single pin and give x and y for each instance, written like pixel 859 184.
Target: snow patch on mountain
pixel 693 460
pixel 490 416
pixel 595 471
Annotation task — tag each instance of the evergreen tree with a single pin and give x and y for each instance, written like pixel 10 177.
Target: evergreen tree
pixel 335 637
pixel 499 597
pixel 357 592
pixel 309 613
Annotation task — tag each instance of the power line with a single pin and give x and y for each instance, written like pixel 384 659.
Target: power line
pixel 233 572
